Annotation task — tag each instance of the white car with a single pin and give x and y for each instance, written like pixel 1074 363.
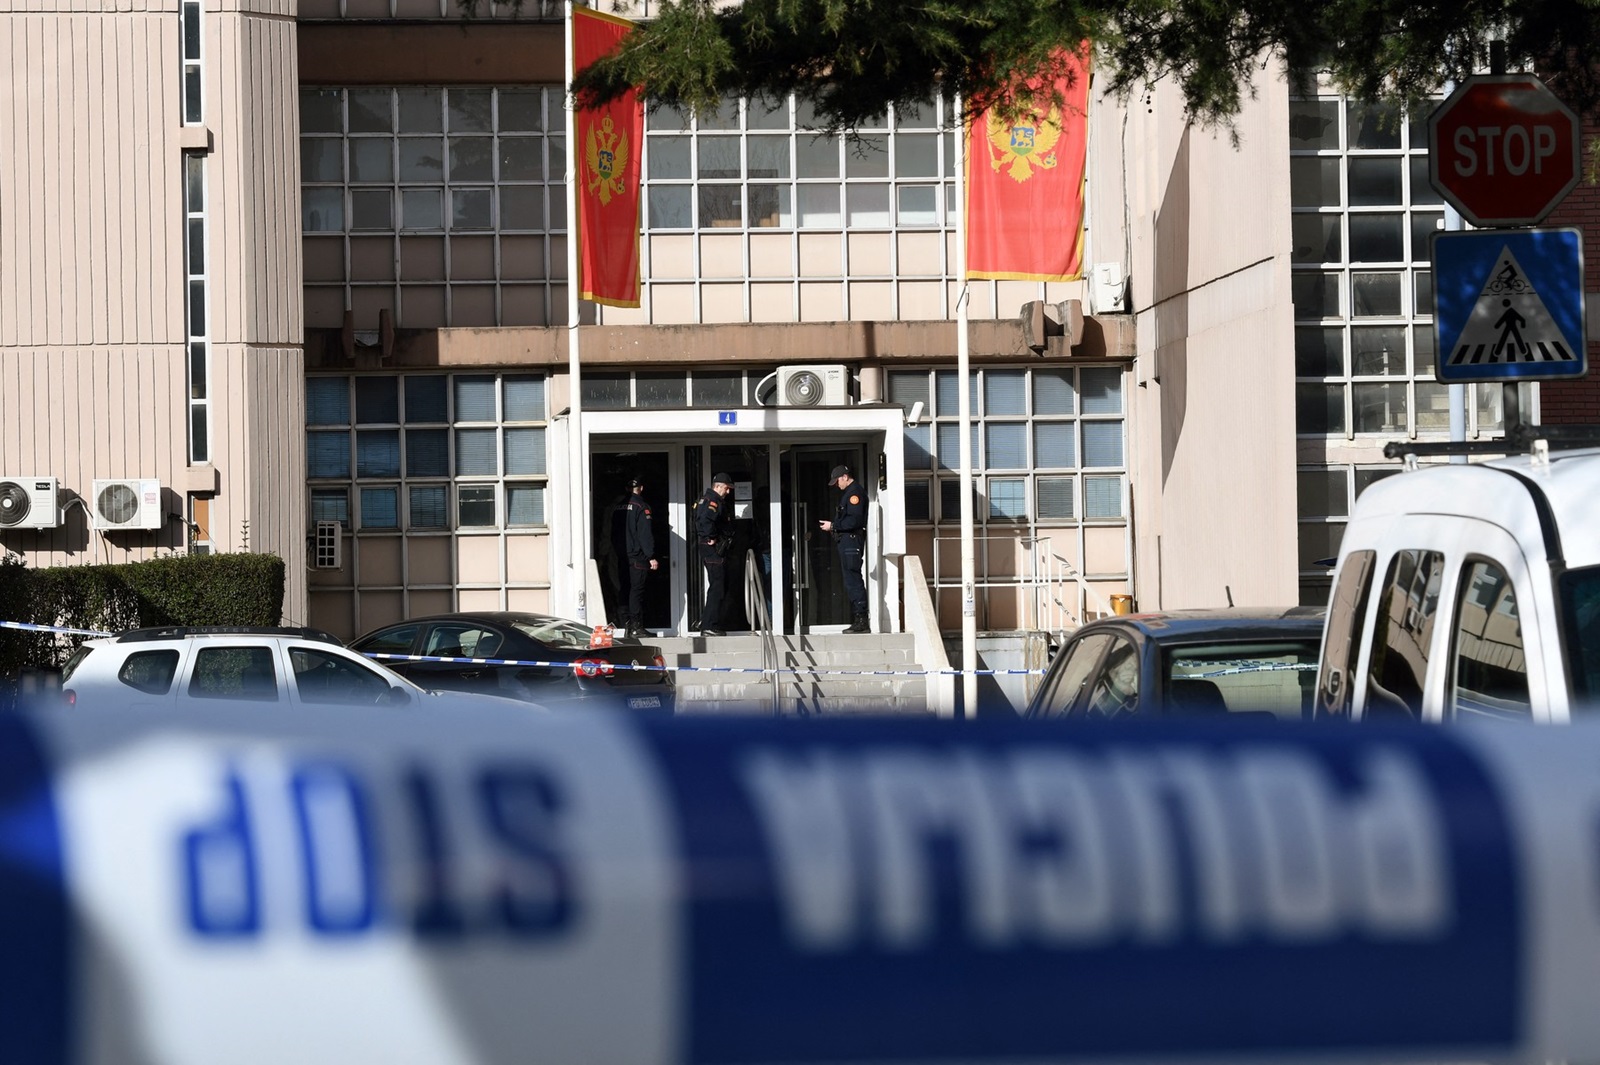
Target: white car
pixel 1469 591
pixel 163 666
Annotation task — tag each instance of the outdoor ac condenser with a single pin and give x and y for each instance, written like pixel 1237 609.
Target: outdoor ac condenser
pixel 814 386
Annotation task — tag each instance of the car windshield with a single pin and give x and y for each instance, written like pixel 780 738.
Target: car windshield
pixel 555 632
pixel 1580 608
pixel 1277 676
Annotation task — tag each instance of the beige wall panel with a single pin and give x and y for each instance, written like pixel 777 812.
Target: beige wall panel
pixel 333 612
pixel 820 255
pixel 377 609
pixel 324 259
pixel 478 560
pixel 672 304
pixel 1003 555
pixel 87 162
pixel 821 301
pixel 478 599
pixel 919 301
pixel 919 542
pixel 429 560
pixel 722 255
pixel 869 254
pixel 1011 295
pixel 671 258
pixel 871 301
pixel 1004 609
pixel 1105 550
pixel 430 601
pixel 318 580
pixel 528 559
pixel 771 255
pixel 533 600
pixel 722 303
pixel 324 307
pixel 772 303
pixel 380 560
pixel 372 259
pixel 86 413
pixel 918 254
pixel 612 315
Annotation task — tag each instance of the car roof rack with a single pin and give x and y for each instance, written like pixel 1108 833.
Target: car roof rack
pixel 178 632
pixel 1521 439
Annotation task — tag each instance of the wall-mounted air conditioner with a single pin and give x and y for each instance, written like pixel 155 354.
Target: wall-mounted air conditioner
pixel 28 503
pixel 127 503
pixel 813 386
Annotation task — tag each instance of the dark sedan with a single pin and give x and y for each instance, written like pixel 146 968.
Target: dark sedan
pixel 1186 663
pixel 576 666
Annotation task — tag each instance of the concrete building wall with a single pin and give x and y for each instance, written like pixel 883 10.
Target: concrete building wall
pixel 1213 397
pixel 94 323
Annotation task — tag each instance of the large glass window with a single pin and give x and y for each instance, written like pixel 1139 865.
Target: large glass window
pixel 1491 668
pixel 1036 435
pixel 427 451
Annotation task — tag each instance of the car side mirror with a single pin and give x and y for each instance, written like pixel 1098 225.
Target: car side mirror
pixel 399 697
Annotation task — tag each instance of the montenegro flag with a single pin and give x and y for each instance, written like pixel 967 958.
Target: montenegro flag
pixel 1025 185
pixel 610 140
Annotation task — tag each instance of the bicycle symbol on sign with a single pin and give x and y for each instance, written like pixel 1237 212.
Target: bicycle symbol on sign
pixel 1509 283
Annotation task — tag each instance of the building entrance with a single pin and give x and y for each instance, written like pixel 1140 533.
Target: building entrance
pixel 609 474
pixel 812 571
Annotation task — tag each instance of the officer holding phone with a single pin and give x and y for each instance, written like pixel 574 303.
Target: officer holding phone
pixel 849 528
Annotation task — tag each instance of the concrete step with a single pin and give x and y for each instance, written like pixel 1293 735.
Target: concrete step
pixel 793 707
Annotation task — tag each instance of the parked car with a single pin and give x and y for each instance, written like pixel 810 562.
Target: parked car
pixel 293 666
pixel 1469 591
pixel 1185 663
pixel 576 667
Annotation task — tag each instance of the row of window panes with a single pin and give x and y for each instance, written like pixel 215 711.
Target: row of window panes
pixel 1385 408
pixel 1319 294
pixel 425 399
pixel 193 99
pixel 1315 126
pixel 1373 238
pixel 702 388
pixel 449 158
pixel 196 288
pixel 427 506
pixel 790 114
pixel 1096 497
pixel 331 454
pixel 1090 391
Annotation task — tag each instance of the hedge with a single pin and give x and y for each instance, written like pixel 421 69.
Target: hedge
pixel 226 589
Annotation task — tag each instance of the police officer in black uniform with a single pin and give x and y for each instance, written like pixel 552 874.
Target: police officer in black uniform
pixel 640 551
pixel 713 521
pixel 849 528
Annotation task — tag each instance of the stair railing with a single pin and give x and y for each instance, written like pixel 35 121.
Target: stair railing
pixel 755 609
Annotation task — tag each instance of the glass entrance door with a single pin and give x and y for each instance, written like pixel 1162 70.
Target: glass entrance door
pixel 811 567
pixel 609 474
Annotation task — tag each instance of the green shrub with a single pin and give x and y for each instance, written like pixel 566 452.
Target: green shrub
pixel 229 589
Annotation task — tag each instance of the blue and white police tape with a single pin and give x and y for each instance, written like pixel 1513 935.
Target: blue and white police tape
pixel 28 626
pixel 640 667
pixel 471 885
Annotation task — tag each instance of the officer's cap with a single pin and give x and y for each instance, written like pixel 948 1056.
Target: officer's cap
pixel 636 483
pixel 838 472
pixel 722 478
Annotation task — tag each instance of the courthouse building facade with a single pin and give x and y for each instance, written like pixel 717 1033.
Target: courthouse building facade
pixel 292 278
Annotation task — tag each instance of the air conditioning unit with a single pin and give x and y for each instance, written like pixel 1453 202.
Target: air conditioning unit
pixel 813 386
pixel 28 503
pixel 127 503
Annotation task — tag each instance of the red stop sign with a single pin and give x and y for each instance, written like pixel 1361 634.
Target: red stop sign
pixel 1504 150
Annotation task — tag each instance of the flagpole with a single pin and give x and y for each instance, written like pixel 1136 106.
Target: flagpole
pixel 969 611
pixel 578 523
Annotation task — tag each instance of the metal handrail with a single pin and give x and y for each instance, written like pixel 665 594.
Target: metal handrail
pixel 1047 579
pixel 755 608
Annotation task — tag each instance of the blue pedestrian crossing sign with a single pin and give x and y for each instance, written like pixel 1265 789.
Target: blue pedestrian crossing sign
pixel 1508 304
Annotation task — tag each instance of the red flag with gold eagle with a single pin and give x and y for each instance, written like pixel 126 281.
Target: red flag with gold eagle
pixel 609 141
pixel 1025 185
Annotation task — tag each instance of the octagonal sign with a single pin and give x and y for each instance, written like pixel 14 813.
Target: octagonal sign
pixel 1504 150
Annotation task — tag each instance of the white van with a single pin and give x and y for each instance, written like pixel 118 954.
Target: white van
pixel 1469 591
